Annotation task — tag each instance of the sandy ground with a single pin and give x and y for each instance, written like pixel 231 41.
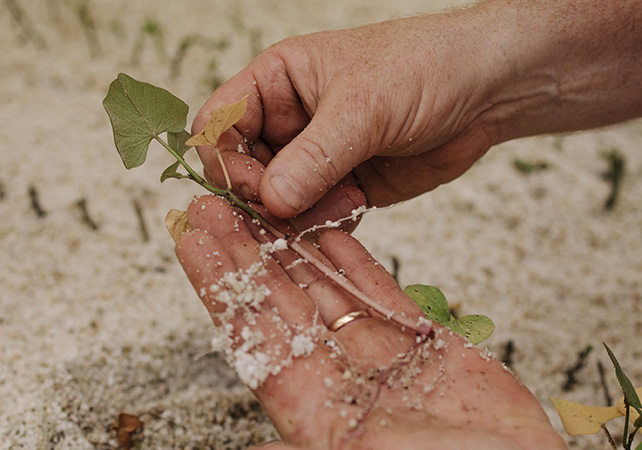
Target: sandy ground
pixel 96 316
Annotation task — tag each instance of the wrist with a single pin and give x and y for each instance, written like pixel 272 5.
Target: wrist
pixel 560 65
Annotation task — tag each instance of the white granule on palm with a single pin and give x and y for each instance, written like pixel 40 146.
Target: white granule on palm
pixel 252 368
pixel 270 247
pixel 239 290
pixel 280 244
pixel 302 345
pixel 222 339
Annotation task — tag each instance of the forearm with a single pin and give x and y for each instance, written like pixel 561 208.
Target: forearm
pixel 562 65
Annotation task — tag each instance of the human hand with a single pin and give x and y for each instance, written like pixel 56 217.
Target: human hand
pixel 369 384
pixel 392 101
pixel 400 107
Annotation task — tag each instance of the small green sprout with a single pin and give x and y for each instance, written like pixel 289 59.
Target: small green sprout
pixel 614 176
pixel 475 328
pixel 529 167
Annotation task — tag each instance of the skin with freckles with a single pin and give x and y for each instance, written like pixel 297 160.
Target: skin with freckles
pixel 448 396
pixel 395 109
pixel 376 115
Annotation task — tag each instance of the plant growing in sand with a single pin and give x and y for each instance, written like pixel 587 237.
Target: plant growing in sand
pixel 140 113
pixel 581 419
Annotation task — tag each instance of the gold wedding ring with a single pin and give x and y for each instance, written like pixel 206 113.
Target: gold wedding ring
pixel 347 318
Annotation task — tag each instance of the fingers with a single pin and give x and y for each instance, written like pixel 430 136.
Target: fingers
pixel 275 112
pixel 218 221
pixel 365 273
pixel 232 91
pixel 311 164
pixel 336 205
pixel 331 300
pixel 243 166
pixel 243 170
pixel 205 262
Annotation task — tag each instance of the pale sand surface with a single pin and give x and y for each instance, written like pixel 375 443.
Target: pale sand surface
pixel 95 322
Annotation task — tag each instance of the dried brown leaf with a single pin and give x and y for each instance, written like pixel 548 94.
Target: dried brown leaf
pixel 176 223
pixel 127 424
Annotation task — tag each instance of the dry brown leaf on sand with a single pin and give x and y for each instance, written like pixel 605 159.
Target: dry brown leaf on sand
pixel 126 425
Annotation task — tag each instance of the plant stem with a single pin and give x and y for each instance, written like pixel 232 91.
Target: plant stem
pixel 423 329
pixel 609 438
pixel 626 444
pixel 195 176
pixel 402 320
pixel 225 193
pixel 632 436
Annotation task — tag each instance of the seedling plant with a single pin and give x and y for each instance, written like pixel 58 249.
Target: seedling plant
pixel 581 419
pixel 140 112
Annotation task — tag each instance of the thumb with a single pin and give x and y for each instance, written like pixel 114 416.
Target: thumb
pixel 314 161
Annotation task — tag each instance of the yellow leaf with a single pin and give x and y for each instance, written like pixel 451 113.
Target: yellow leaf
pixel 633 414
pixel 223 119
pixel 197 139
pixel 581 419
pixel 176 223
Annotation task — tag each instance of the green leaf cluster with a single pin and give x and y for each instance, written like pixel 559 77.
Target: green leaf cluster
pixel 139 113
pixel 433 303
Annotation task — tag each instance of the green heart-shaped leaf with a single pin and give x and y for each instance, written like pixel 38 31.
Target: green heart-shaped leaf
pixel 433 303
pixel 140 112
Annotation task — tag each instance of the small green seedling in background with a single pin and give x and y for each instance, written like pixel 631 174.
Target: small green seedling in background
pixel 150 30
pixel 614 176
pixel 582 419
pixel 433 303
pixel 529 167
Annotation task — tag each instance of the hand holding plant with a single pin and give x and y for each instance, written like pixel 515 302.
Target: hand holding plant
pixel 140 112
pixel 274 297
pixel 368 385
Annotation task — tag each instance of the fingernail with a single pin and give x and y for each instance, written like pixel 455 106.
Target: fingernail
pixel 345 206
pixel 289 192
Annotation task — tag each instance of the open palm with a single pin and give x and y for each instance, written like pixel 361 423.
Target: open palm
pixel 369 384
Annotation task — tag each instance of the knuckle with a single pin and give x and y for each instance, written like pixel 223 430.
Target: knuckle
pixel 322 165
